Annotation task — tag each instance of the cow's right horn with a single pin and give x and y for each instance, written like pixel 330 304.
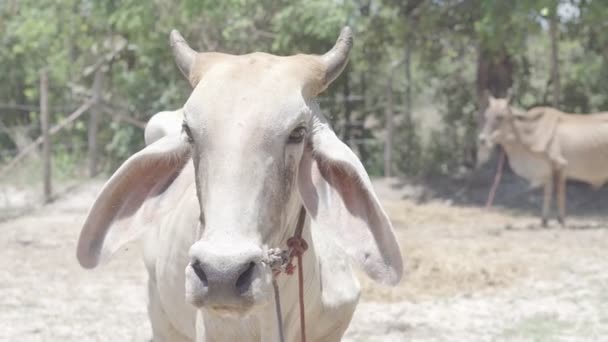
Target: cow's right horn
pixel 335 60
pixel 184 55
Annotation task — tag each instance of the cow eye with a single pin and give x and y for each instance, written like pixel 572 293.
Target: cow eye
pixel 297 135
pixel 186 130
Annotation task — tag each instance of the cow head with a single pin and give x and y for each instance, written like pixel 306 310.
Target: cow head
pixel 261 149
pixel 497 122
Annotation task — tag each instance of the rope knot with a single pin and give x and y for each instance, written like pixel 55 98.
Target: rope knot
pixel 298 245
pixel 275 259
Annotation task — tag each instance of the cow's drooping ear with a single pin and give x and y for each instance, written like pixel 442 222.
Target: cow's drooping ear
pixel 121 210
pixel 338 194
pixel 163 124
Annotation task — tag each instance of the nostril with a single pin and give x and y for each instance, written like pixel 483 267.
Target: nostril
pixel 196 266
pixel 243 283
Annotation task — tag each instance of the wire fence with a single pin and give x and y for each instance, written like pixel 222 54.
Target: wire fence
pixel 87 112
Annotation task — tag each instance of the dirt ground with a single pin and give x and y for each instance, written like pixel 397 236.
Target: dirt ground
pixel 472 274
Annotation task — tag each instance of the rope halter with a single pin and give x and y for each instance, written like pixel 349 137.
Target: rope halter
pixel 281 261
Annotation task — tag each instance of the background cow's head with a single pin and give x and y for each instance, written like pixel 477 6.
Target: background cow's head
pixel 260 149
pixel 497 121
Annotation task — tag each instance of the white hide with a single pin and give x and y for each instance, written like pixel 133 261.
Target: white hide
pixel 163 124
pixel 223 180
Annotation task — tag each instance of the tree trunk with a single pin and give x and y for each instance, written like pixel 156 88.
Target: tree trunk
pixel 494 74
pixel 554 32
pixel 389 115
pixel 46 137
pixel 363 154
pixel 389 112
pixel 347 108
pixel 94 121
pixel 407 100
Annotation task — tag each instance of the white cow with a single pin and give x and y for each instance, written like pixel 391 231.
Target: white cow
pixel 211 198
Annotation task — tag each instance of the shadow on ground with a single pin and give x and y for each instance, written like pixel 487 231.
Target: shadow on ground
pixel 513 194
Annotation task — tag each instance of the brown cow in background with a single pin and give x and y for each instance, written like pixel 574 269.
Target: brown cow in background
pixel 544 144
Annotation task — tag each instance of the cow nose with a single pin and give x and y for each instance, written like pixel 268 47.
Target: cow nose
pixel 198 270
pixel 484 140
pixel 243 282
pixel 222 271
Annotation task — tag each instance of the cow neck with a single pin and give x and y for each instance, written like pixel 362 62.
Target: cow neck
pixel 514 127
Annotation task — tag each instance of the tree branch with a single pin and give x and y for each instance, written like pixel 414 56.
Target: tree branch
pixel 54 130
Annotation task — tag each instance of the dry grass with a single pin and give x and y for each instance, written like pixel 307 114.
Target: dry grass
pixel 445 254
pixel 458 250
pixel 466 272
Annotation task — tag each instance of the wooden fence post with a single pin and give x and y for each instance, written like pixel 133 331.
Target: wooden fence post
pixel 94 121
pixel 46 137
pixel 54 130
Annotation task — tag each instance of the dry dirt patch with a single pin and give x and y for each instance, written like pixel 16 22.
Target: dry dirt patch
pixel 468 279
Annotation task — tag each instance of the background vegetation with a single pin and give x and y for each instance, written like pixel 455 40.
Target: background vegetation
pixel 423 64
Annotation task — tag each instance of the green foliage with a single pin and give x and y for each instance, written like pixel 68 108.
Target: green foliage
pixel 446 39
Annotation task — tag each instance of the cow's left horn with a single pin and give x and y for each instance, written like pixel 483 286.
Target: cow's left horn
pixel 335 60
pixel 184 55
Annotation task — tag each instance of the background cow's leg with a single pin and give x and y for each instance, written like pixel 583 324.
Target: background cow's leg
pixel 547 199
pixel 561 197
pixel 162 330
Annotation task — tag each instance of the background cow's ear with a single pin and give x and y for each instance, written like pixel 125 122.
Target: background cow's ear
pixel 118 214
pixel 338 194
pixel 489 97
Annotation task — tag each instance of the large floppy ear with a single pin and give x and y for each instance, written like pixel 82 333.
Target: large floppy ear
pixel 338 194
pixel 163 124
pixel 121 210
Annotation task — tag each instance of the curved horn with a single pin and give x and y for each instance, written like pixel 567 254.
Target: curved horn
pixel 335 60
pixel 184 55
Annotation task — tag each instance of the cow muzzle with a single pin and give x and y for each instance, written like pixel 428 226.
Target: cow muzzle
pixel 227 277
pixel 486 140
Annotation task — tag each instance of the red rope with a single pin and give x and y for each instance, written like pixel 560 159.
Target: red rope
pixel 298 246
pixel 501 162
